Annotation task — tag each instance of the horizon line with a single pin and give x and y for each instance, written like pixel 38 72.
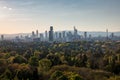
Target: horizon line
pixel 55 31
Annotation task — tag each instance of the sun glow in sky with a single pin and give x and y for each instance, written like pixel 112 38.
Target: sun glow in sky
pixel 22 16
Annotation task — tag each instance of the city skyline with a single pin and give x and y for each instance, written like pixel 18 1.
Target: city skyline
pixel 62 36
pixel 24 16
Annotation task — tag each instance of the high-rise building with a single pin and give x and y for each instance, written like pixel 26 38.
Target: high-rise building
pixel 46 35
pixel 107 34
pixel 56 35
pixel 112 35
pixel 41 37
pixel 69 36
pixel 2 37
pixel 90 36
pixel 60 35
pixel 75 31
pixel 75 36
pixel 85 35
pixel 51 36
pixel 63 34
pixel 37 33
pixel 33 34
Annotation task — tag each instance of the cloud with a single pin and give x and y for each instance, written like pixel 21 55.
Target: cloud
pixel 4 7
pixel 10 9
pixel 7 8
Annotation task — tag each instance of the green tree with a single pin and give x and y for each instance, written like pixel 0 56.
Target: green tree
pixel 56 75
pixel 37 54
pixel 75 77
pixel 33 61
pixel 28 54
pixel 45 64
pixel 19 59
pixel 24 72
pixel 11 71
pixel 54 59
pixel 3 66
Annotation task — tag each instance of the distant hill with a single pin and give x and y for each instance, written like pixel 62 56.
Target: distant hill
pixel 95 34
pixel 11 36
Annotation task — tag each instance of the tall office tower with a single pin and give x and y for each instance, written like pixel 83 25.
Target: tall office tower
pixel 2 37
pixel 112 35
pixel 51 36
pixel 69 36
pixel 85 35
pixel 75 35
pixel 56 35
pixel 107 34
pixel 21 36
pixel 90 36
pixel 64 36
pixel 63 33
pixel 75 31
pixel 60 35
pixel 41 37
pixel 37 33
pixel 46 35
pixel 33 34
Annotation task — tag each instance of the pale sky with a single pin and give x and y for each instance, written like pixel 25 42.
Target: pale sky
pixel 23 16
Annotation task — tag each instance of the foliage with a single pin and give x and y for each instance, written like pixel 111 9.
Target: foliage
pixel 33 61
pixel 45 64
pixel 79 60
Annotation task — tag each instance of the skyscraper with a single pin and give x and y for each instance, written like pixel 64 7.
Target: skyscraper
pixel 107 34
pixel 33 34
pixel 85 35
pixel 37 33
pixel 60 35
pixel 63 34
pixel 2 37
pixel 51 36
pixel 69 36
pixel 75 35
pixel 46 35
pixel 112 35
pixel 75 31
pixel 90 36
pixel 41 37
pixel 56 35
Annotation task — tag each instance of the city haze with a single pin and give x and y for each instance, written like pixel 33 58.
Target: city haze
pixel 24 16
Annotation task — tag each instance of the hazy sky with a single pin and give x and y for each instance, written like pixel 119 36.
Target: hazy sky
pixel 21 16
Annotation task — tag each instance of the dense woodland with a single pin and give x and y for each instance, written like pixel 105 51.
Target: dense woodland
pixel 80 60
